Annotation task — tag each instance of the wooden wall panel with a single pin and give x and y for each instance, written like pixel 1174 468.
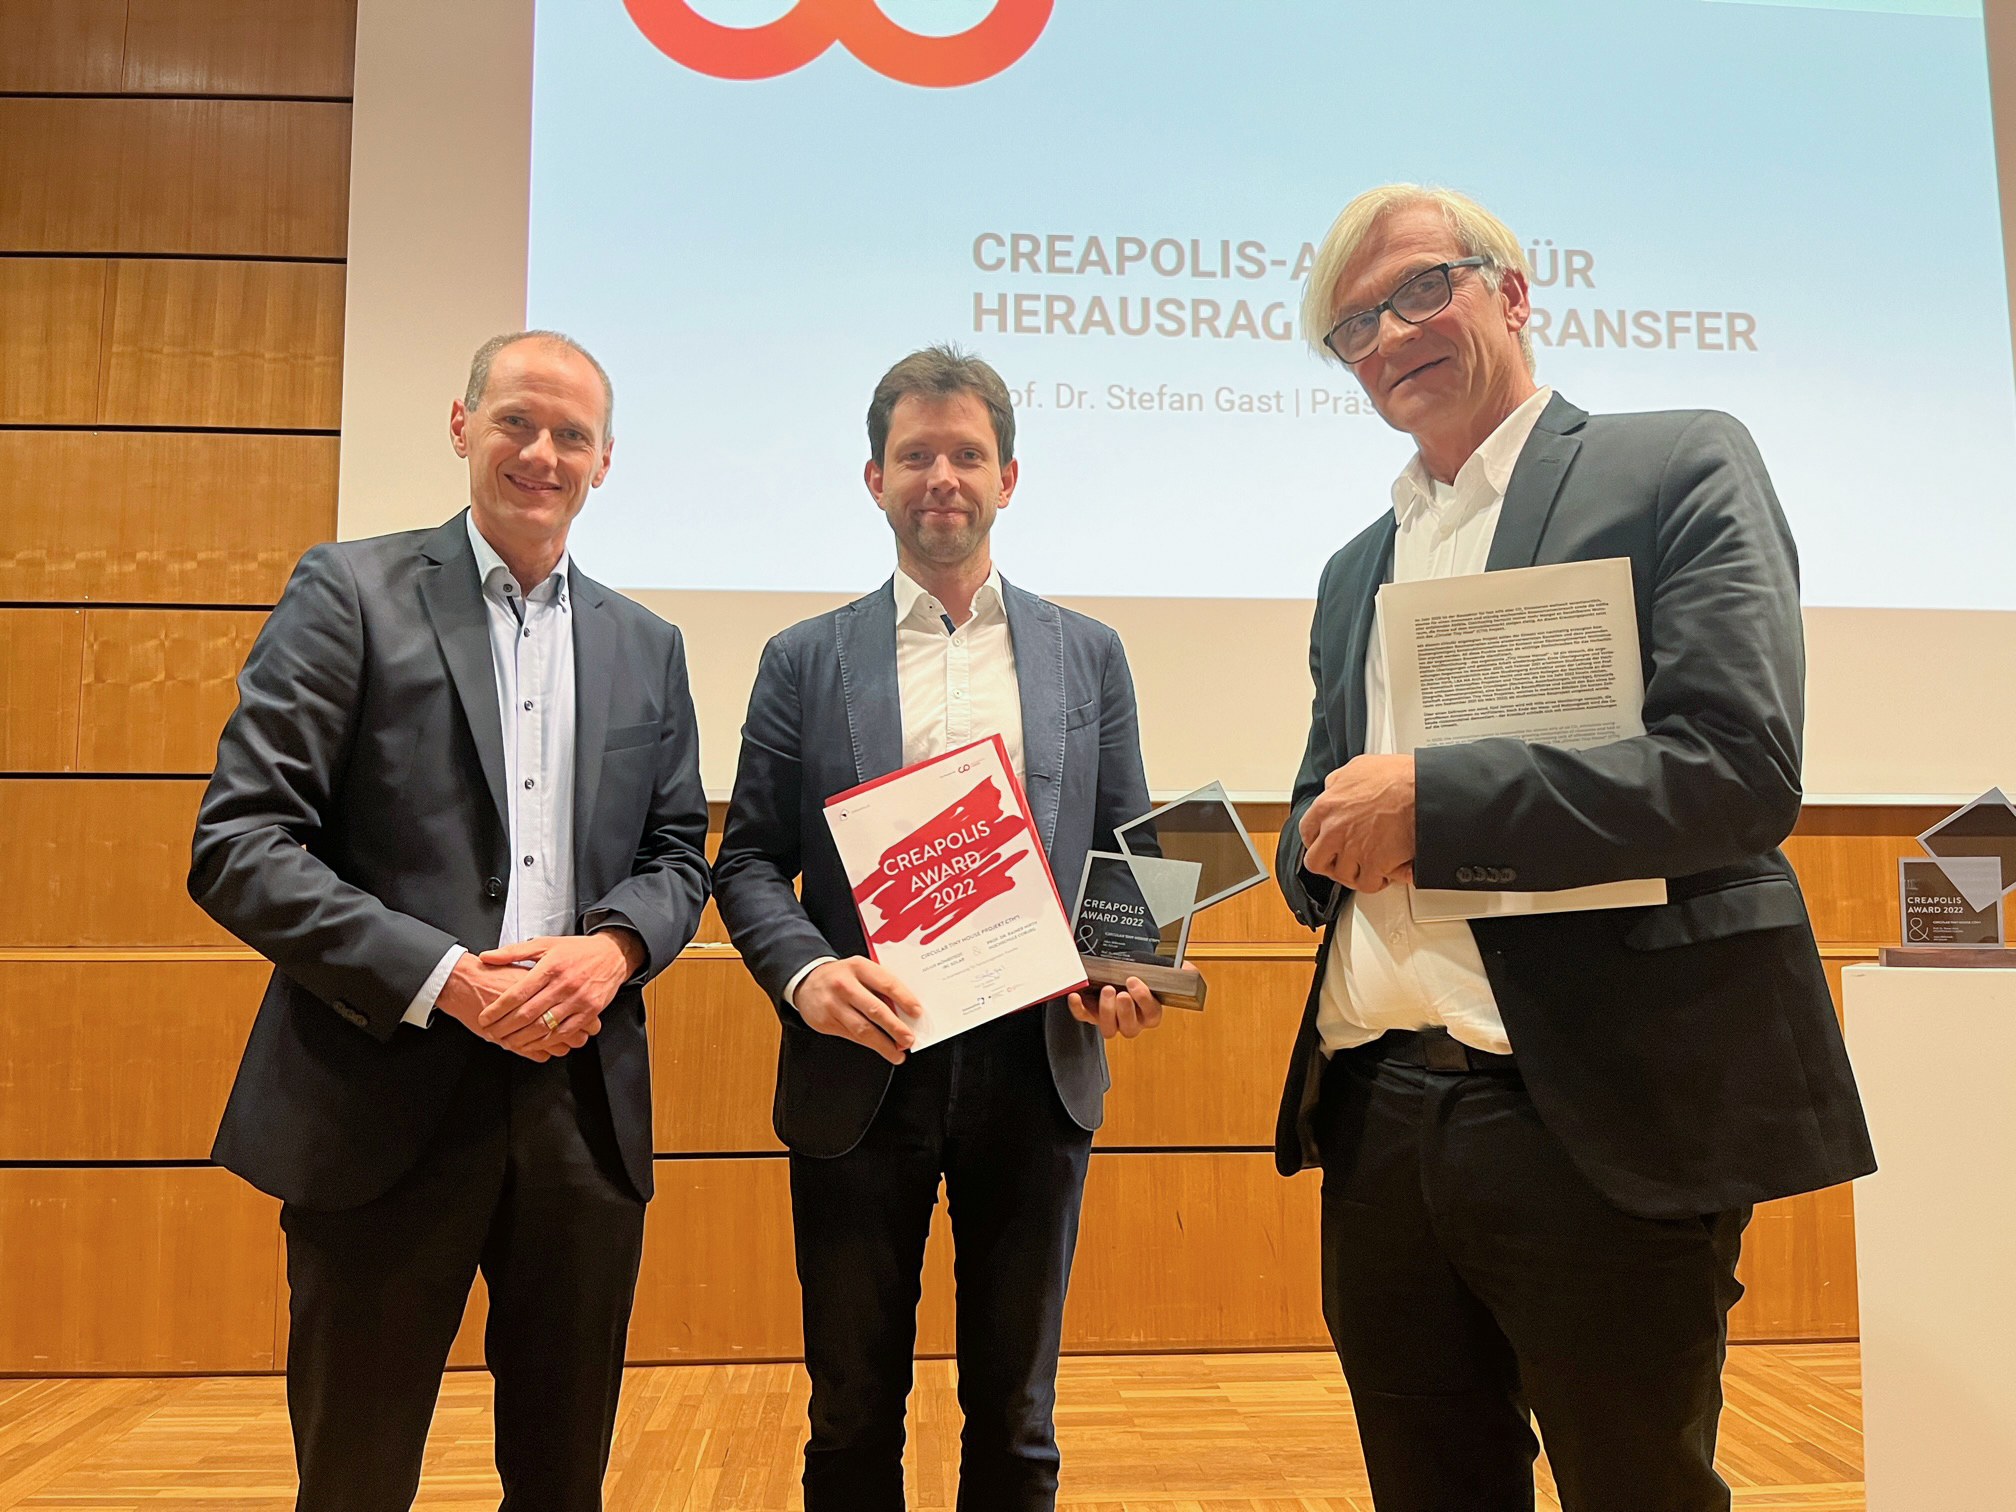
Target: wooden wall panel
pixel 144 517
pixel 99 863
pixel 228 178
pixel 1195 1251
pixel 116 1060
pixel 1847 864
pixel 76 46
pixel 718 1280
pixel 713 1057
pixel 41 665
pixel 1210 1078
pixel 158 685
pixel 263 47
pixel 135 1271
pixel 1799 1267
pixel 225 344
pixel 51 322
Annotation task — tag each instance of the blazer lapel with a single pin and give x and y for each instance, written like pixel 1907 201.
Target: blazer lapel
pixel 594 671
pixel 454 602
pixel 865 640
pixel 1036 630
pixel 1536 482
pixel 1362 591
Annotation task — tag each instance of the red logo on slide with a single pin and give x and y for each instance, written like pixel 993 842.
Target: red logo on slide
pixel 811 26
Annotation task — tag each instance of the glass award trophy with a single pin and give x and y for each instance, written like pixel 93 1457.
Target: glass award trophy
pixel 1949 901
pixel 1135 905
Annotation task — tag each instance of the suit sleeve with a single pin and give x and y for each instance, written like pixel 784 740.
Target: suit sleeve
pixel 668 883
pixel 255 865
pixel 1312 899
pixel 1715 777
pixel 761 847
pixel 1123 783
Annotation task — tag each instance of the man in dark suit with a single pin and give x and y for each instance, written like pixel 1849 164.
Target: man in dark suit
pixel 944 653
pixel 1541 1137
pixel 459 809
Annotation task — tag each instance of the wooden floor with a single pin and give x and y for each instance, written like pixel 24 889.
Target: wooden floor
pixel 1183 1433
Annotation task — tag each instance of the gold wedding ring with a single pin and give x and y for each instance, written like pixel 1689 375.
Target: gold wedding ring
pixel 552 1024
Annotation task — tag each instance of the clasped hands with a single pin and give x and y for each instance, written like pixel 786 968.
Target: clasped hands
pixel 861 1000
pixel 1360 830
pixel 552 1007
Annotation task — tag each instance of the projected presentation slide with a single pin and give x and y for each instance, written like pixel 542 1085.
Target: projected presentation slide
pixel 750 208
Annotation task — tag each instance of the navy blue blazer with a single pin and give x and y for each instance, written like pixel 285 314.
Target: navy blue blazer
pixel 825 716
pixel 1686 1055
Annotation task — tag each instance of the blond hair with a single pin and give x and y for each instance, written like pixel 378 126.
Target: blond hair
pixel 1478 233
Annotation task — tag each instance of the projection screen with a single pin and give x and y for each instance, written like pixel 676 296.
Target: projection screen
pixel 749 208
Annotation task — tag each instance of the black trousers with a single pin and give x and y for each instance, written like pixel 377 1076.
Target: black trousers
pixel 1471 1275
pixel 525 1182
pixel 981 1111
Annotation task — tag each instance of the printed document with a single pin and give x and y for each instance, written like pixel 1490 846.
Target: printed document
pixel 954 891
pixel 1543 654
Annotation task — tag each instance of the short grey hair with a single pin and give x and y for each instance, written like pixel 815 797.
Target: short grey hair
pixel 1478 233
pixel 479 371
pixel 939 372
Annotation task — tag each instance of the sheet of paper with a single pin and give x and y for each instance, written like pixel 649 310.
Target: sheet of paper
pixel 1544 654
pixel 954 891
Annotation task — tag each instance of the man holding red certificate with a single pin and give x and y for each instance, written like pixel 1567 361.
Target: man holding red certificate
pixel 878 1098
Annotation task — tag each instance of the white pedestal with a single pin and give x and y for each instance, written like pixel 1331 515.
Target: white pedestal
pixel 1935 1236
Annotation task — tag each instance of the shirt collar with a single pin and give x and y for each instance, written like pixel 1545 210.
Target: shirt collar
pixel 492 571
pixel 913 599
pixel 1481 480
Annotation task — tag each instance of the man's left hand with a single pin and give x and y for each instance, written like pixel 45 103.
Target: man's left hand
pixel 1125 1013
pixel 1360 829
pixel 571 980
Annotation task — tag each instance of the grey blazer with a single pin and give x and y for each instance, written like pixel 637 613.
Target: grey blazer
pixel 1686 1055
pixel 826 715
pixel 354 829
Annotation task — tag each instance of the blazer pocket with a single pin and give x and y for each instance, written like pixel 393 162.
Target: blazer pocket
pixel 624 737
pixel 1740 908
pixel 1086 713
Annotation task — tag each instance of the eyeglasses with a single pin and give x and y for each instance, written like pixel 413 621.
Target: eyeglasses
pixel 1422 297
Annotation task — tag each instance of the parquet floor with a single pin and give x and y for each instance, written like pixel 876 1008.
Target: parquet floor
pixel 1177 1433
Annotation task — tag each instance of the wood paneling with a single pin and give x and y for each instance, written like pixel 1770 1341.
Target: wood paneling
pixel 1846 858
pixel 136 1271
pixel 1195 1251
pixel 274 47
pixel 52 313
pixel 75 46
pixel 41 666
pixel 713 1057
pixel 230 344
pixel 1257 914
pixel 718 1280
pixel 228 178
pixel 1799 1267
pixel 99 863
pixel 158 685
pixel 1210 1078
pixel 120 1060
pixel 140 517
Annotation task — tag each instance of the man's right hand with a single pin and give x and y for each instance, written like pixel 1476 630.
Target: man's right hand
pixel 472 987
pixel 858 1000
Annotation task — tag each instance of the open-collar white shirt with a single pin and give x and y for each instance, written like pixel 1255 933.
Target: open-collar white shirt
pixel 1385 970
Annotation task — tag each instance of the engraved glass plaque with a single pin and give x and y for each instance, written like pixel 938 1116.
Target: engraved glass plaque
pixel 1936 911
pixel 1135 908
pixel 1985 828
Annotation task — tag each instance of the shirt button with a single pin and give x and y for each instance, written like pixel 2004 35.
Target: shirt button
pixel 528 860
pixel 528 635
pixel 528 782
pixel 528 705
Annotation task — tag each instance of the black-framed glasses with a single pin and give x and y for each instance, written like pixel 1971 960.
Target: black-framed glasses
pixel 1422 297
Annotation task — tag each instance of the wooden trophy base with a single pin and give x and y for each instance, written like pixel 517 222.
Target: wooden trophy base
pixel 1940 955
pixel 1175 986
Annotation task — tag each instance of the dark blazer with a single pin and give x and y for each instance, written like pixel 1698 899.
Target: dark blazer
pixel 1686 1055
pixel 354 829
pixel 826 715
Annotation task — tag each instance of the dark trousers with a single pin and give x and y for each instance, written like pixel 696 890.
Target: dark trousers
pixel 1472 1274
pixel 981 1111
pixel 525 1182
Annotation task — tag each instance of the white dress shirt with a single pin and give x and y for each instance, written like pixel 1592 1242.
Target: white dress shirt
pixel 956 685
pixel 532 654
pixel 1385 970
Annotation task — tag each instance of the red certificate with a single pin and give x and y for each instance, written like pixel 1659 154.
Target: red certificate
pixel 954 891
